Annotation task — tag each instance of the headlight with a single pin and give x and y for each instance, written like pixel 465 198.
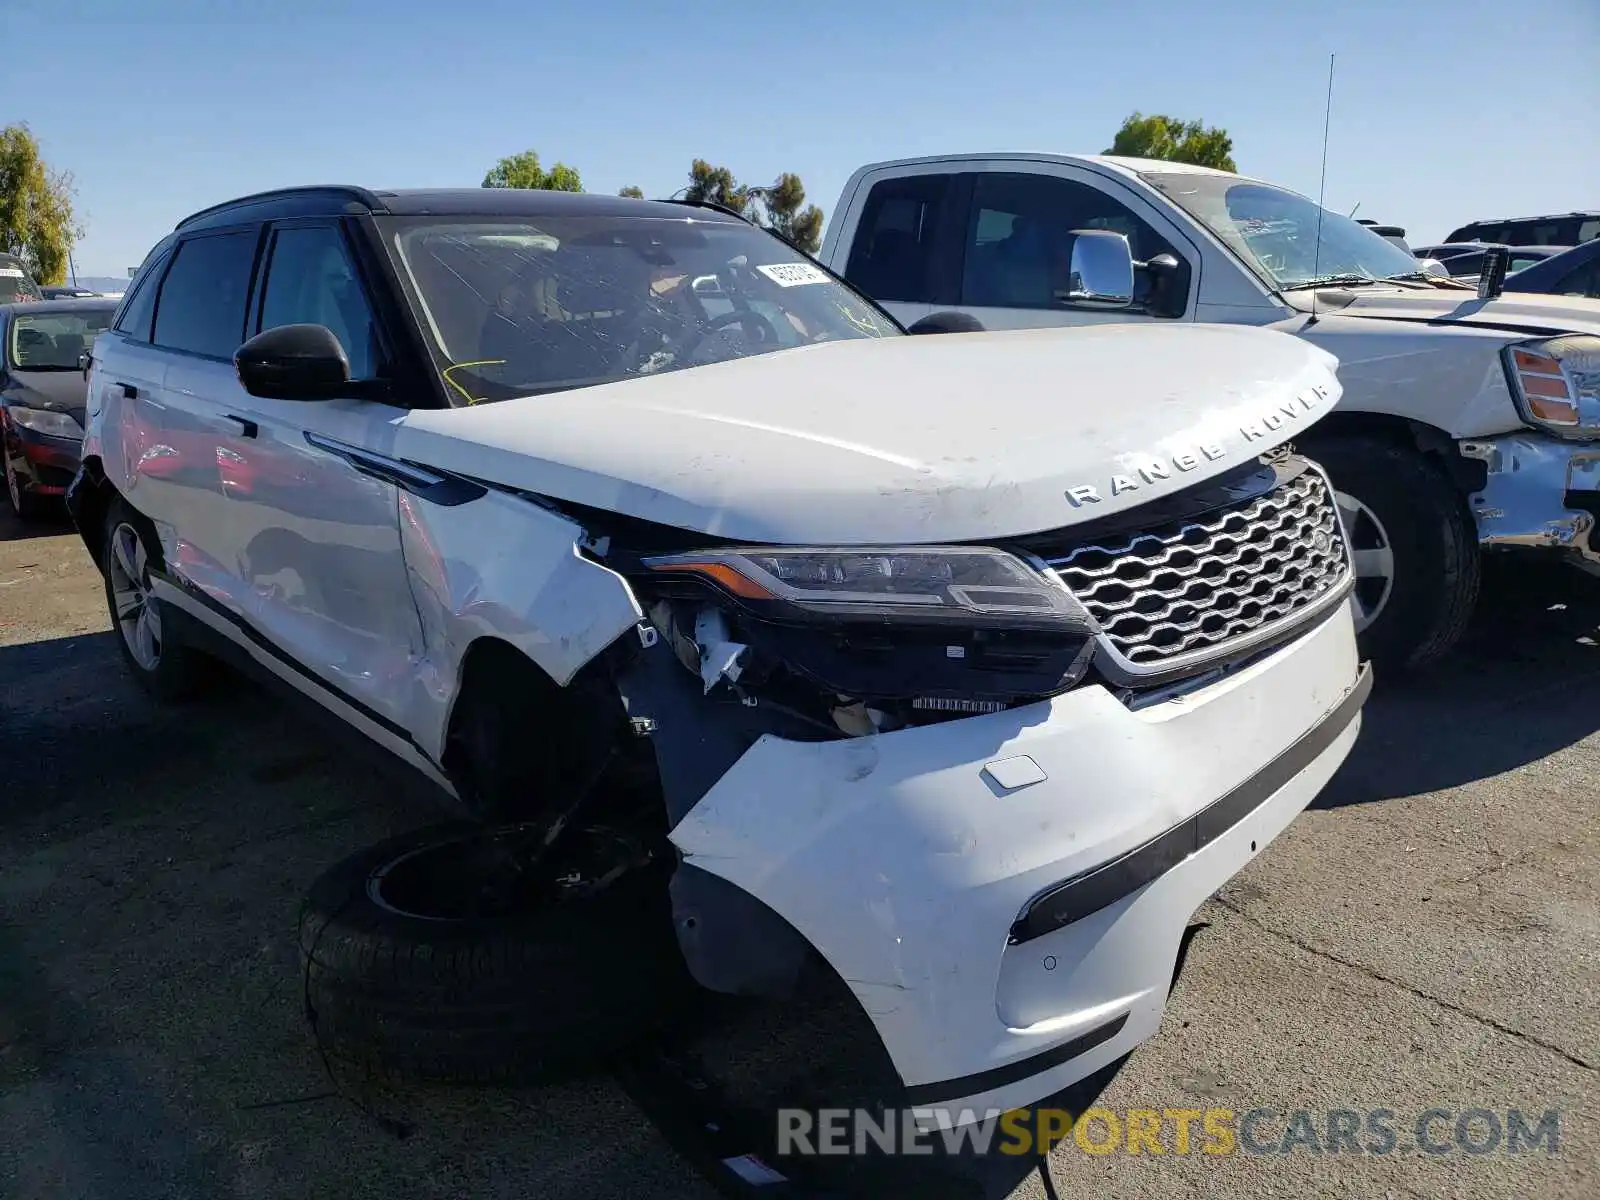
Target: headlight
pixel 918 585
pixel 52 424
pixel 1556 382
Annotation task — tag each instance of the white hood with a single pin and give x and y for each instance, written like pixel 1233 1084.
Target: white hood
pixel 942 437
pixel 1529 312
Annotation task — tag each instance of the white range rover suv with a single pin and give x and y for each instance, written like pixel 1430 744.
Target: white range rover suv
pixel 523 485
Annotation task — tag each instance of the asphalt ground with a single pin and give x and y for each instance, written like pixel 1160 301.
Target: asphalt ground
pixel 1426 937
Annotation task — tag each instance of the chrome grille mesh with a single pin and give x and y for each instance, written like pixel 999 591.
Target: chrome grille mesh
pixel 1202 583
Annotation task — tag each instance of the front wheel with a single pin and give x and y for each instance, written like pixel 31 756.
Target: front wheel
pixel 1415 549
pixel 441 956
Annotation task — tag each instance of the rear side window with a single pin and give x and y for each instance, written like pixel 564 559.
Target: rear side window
pixel 892 255
pixel 140 307
pixel 201 308
pixel 1587 231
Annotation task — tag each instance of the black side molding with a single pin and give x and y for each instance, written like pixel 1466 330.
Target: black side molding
pixel 1023 1068
pixel 258 639
pixel 1083 895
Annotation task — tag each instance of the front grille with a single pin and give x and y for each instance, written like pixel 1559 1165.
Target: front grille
pixel 1204 582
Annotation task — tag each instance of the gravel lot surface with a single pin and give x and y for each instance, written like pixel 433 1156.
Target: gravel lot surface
pixel 1427 936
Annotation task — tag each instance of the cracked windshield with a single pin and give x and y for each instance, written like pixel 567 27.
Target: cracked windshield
pixel 517 309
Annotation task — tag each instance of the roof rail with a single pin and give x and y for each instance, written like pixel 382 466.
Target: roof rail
pixel 341 191
pixel 713 205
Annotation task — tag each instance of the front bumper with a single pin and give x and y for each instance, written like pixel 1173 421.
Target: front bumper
pixel 1540 492
pixel 45 464
pixel 1006 894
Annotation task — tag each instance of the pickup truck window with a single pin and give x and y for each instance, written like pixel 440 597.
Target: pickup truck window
pixel 1019 236
pixel 527 306
pixel 893 248
pixel 1275 231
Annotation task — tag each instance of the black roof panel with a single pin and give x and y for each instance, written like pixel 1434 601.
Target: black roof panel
pixel 335 199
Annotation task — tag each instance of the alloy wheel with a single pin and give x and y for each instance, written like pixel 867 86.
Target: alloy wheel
pixel 134 608
pixel 13 484
pixel 1373 555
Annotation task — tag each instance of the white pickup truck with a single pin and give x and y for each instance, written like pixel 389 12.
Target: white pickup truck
pixel 1466 422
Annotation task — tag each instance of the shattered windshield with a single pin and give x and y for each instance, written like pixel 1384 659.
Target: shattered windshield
pixel 525 306
pixel 1275 231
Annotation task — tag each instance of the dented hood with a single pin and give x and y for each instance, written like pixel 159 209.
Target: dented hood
pixel 911 439
pixel 1519 312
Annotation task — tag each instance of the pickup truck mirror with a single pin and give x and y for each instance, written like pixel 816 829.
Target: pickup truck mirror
pixel 1100 272
pixel 948 321
pixel 1492 275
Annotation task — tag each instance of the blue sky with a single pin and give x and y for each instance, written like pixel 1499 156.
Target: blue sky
pixel 1442 111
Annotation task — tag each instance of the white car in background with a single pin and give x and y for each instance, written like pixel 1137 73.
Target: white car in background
pixel 1468 423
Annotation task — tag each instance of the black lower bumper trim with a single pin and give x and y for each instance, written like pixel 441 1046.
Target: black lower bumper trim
pixel 1023 1068
pixel 1103 886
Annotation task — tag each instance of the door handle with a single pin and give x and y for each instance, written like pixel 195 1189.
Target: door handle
pixel 248 427
pixel 128 390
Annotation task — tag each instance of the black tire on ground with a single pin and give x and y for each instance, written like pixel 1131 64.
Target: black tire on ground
pixel 515 997
pixel 1433 538
pixel 165 667
pixel 25 506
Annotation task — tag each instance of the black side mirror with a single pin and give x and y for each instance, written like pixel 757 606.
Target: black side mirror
pixel 294 362
pixel 1492 275
pixel 948 321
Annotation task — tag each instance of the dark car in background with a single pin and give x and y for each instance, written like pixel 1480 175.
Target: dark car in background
pixel 16 285
pixel 65 291
pixel 42 395
pixel 1575 272
pixel 1560 229
pixel 1465 260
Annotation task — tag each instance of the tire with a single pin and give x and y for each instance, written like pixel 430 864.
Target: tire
pixel 535 992
pixel 163 666
pixel 1388 493
pixel 25 506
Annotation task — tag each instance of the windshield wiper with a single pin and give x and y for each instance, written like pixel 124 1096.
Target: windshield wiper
pixel 1431 280
pixel 1346 280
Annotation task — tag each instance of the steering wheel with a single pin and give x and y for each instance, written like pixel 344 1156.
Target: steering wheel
pixel 753 322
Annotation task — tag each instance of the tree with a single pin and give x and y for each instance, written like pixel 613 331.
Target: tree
pixel 36 219
pixel 1174 140
pixel 523 171
pixel 716 185
pixel 781 212
pixel 777 207
pixel 632 192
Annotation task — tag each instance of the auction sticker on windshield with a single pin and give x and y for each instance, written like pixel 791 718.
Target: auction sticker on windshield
pixel 13 273
pixel 794 274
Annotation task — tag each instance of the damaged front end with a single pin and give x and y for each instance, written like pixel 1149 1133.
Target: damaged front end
pixel 813 645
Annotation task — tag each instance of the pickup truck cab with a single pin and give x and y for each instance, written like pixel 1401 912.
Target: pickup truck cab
pixel 1466 423
pixel 647 539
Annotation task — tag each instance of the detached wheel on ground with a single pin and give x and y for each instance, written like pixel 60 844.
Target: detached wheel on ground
pixel 164 666
pixel 1415 548
pixel 433 956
